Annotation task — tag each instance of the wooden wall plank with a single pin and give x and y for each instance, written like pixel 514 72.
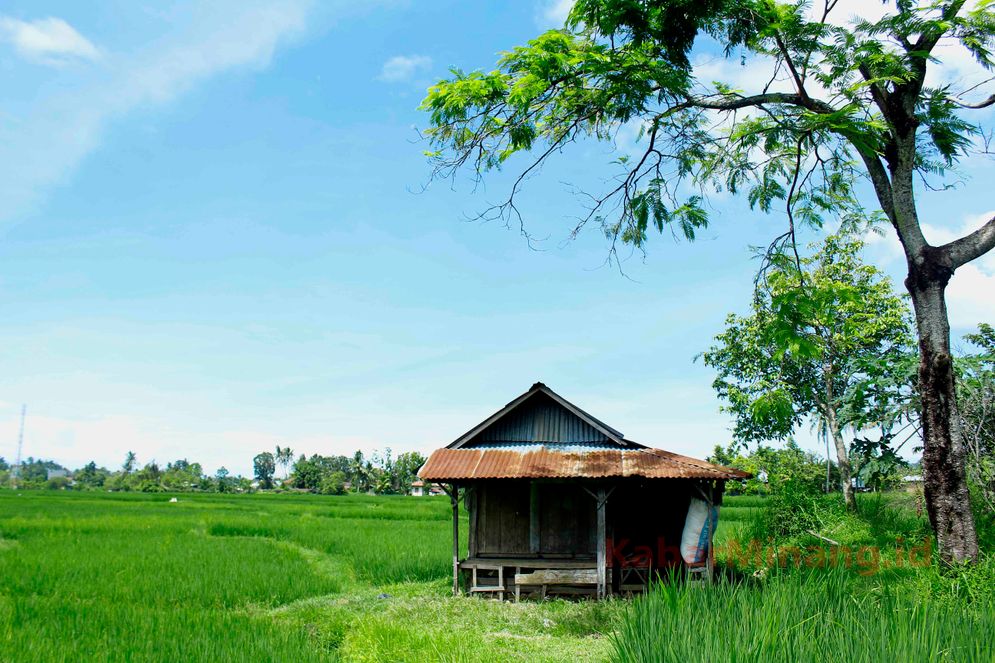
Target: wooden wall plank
pixel 534 518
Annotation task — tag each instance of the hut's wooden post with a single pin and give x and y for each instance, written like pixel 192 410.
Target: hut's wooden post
pixel 470 504
pixel 602 544
pixel 454 498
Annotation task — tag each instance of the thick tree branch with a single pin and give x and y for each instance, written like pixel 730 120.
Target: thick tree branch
pixel 964 250
pixel 908 93
pixel 791 67
pixel 882 185
pixel 928 40
pixel 756 100
pixel 878 93
pixel 982 104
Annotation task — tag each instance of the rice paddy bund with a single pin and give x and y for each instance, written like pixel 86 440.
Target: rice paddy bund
pixel 134 577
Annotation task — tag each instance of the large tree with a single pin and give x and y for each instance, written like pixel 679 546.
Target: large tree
pixel 842 101
pixel 807 345
pixel 264 466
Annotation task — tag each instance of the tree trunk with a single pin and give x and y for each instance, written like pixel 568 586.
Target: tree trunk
pixel 842 460
pixel 948 501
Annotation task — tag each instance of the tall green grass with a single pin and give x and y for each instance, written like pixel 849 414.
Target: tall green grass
pixel 800 618
pixel 776 609
pixel 744 501
pixel 135 577
pixel 132 577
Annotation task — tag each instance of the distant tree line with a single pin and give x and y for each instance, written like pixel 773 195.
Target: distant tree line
pixel 177 476
pixel 381 473
pixel 34 472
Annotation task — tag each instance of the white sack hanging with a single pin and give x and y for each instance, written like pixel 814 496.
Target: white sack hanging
pixel 698 531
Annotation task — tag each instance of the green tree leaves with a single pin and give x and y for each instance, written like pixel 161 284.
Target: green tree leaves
pixel 810 340
pixel 810 347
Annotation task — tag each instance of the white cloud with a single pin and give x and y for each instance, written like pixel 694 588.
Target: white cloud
pixel 971 297
pixel 884 244
pixel 47 40
pixel 750 76
pixel 401 68
pixel 846 12
pixel 553 13
pixel 43 142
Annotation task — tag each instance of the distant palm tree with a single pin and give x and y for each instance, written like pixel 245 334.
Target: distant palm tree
pixel 284 456
pixel 129 462
pixel 359 470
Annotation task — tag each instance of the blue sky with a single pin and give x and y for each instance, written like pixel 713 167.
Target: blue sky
pixel 214 239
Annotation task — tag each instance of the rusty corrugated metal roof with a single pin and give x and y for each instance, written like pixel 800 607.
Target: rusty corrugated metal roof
pixel 549 463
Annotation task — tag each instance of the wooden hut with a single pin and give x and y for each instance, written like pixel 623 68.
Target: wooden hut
pixel 559 501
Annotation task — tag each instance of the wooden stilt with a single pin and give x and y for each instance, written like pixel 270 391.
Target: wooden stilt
pixel 602 543
pixel 454 498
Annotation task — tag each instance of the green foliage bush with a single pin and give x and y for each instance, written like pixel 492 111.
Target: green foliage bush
pixel 795 509
pixel 333 484
pixel 57 483
pixel 774 468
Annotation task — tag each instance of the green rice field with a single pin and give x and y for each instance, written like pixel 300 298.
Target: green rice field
pixel 133 577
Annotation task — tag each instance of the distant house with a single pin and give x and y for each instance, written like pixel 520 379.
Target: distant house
pixel 57 474
pixel 560 501
pixel 420 488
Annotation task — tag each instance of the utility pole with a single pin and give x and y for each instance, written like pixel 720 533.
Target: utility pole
pixel 16 470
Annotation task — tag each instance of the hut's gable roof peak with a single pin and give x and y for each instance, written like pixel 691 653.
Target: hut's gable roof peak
pixel 540 416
